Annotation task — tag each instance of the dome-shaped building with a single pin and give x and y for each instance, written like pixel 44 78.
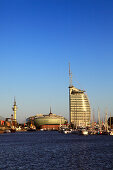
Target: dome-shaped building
pixel 48 122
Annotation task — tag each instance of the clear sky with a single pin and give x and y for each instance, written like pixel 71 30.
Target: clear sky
pixel 38 38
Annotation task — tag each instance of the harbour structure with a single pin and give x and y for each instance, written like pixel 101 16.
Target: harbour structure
pixel 110 121
pixel 79 106
pixel 47 122
pixel 14 108
pixel 2 121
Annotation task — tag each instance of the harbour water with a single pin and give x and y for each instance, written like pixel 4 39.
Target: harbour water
pixel 51 150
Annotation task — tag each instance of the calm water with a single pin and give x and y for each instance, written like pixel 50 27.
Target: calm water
pixel 53 150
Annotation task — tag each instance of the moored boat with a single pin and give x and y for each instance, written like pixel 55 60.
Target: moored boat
pixel 31 129
pixel 7 131
pixel 111 133
pixel 83 132
pixel 67 131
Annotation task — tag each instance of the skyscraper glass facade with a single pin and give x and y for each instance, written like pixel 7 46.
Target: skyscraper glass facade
pixel 79 107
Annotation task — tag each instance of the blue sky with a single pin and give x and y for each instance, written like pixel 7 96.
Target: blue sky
pixel 38 38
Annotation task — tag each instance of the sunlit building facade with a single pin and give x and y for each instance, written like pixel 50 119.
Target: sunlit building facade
pixel 79 107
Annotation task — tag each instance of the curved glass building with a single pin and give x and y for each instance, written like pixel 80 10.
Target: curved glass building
pixel 79 107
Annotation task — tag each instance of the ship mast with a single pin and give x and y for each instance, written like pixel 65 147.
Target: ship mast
pixel 99 117
pixel 106 123
pixel 110 120
pixel 93 119
pixel 50 109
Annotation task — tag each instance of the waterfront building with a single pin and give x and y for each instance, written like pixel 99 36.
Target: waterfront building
pixel 79 106
pixel 110 122
pixel 47 122
pixel 1 121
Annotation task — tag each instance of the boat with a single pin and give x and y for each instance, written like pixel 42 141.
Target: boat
pixel 111 133
pixel 32 128
pixel 75 132
pixel 7 131
pixel 81 131
pixel 84 132
pixel 18 129
pixel 66 131
pixel 105 133
pixel 13 130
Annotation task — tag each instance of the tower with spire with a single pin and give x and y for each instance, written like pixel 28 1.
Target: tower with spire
pixel 14 108
pixel 79 106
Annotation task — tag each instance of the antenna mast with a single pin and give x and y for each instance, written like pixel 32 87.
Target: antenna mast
pixel 70 77
pixel 50 109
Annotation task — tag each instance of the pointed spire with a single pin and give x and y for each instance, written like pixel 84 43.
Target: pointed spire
pixel 14 101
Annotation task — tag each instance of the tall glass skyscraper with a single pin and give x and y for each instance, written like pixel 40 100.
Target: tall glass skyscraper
pixel 79 107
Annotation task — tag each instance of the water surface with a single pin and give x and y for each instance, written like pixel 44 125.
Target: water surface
pixel 53 150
